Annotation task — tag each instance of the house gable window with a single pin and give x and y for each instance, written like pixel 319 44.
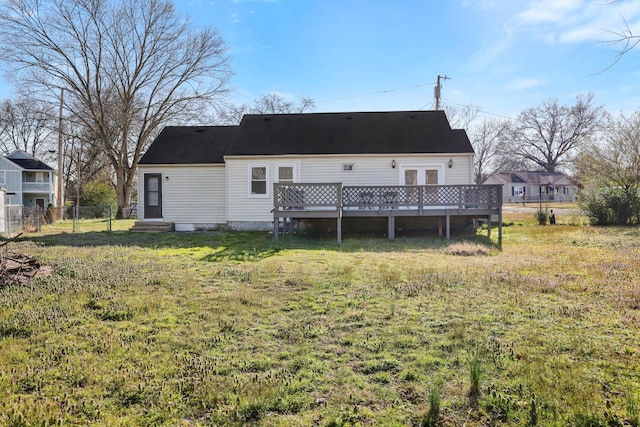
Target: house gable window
pixel 258 181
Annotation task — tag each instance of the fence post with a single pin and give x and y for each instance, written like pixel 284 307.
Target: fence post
pixel 75 218
pixel 109 210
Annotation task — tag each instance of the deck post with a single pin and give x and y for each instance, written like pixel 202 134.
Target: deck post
pixel 391 227
pixel 339 229
pixel 500 227
pixel 276 227
pixel 448 225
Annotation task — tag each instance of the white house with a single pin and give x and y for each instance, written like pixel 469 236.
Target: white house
pixel 27 181
pixel 534 186
pixel 207 177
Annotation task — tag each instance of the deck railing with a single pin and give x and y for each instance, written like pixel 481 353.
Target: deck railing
pixel 298 196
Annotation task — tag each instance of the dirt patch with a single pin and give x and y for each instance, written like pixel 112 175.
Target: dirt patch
pixel 18 268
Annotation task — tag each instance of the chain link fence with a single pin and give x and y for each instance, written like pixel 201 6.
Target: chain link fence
pixel 17 219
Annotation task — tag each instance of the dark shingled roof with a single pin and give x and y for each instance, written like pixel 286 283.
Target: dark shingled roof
pixel 190 144
pixel 31 164
pixel 533 177
pixel 395 132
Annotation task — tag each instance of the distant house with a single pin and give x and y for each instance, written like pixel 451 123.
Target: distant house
pixel 27 181
pixel 205 177
pixel 534 186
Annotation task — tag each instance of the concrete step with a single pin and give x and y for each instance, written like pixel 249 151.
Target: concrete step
pixel 152 226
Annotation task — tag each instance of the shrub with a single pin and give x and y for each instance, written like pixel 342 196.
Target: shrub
pixel 542 216
pixel 98 194
pixel 611 206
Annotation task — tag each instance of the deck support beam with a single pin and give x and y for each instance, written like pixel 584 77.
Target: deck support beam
pixel 391 227
pixel 500 227
pixel 448 224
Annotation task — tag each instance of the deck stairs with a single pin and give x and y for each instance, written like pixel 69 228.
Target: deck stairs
pixel 152 226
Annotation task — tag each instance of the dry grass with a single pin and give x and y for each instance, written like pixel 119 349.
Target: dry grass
pixel 466 248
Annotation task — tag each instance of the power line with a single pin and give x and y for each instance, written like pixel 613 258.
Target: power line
pixel 375 93
pixel 480 110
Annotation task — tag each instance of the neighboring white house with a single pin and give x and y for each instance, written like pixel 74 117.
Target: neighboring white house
pixel 534 186
pixel 27 181
pixel 207 177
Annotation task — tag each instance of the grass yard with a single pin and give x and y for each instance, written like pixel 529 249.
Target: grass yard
pixel 233 329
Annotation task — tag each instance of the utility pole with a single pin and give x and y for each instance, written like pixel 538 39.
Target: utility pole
pixel 60 166
pixel 436 91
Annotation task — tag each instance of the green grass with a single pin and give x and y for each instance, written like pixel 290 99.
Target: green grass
pixel 233 329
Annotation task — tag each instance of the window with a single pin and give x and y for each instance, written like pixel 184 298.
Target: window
pixel 431 177
pixel 517 190
pixel 258 181
pixel 286 174
pixel 347 167
pixel 422 175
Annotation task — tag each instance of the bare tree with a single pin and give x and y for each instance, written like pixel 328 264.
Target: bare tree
pixel 610 173
pixel 270 103
pixel 28 125
pixel 461 117
pixel 615 161
pixel 549 135
pixel 486 139
pixel 127 68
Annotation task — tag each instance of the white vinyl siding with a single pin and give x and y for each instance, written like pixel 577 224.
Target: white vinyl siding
pixel 367 170
pixel 190 194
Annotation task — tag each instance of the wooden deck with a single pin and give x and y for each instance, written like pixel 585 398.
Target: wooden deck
pixel 334 200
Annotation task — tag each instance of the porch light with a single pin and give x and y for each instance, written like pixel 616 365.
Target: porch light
pixel 450 163
pixel 393 164
pixel 166 178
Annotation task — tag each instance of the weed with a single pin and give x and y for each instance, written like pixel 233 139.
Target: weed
pixel 474 362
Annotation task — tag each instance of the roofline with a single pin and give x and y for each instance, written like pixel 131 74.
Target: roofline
pixel 243 156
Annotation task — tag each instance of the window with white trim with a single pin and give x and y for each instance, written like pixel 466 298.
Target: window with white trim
pixel 517 190
pixel 258 180
pixel 285 173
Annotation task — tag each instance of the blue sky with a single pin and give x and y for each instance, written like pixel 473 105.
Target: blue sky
pixel 502 56
pixel 369 55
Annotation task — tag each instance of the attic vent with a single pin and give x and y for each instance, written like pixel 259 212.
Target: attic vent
pixel 267 119
pixel 348 118
pixel 199 130
pixel 412 116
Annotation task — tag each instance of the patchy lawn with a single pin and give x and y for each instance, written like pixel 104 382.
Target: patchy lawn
pixel 234 329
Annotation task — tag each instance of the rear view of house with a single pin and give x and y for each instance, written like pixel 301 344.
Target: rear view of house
pixel 225 176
